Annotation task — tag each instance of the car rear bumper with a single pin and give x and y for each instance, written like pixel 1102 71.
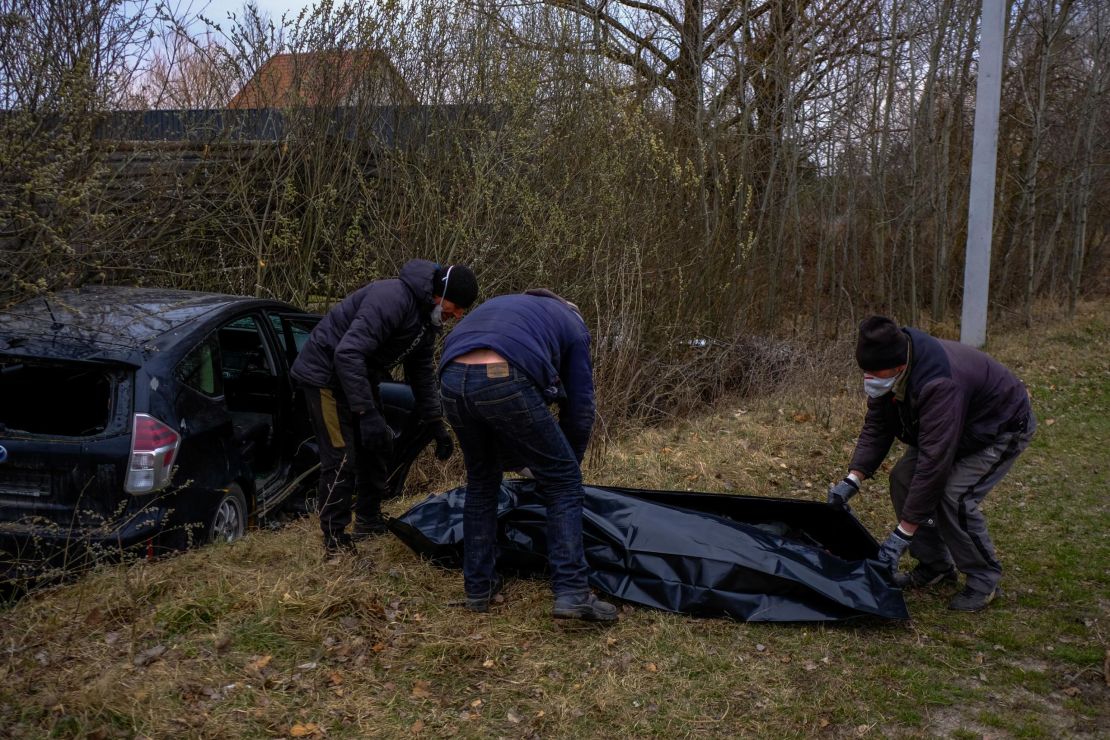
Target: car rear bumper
pixel 30 548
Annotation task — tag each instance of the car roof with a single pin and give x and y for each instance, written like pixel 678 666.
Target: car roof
pixel 107 322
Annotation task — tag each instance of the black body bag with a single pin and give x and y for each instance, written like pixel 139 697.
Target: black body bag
pixel 708 555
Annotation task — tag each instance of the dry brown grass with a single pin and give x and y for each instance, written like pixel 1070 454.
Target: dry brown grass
pixel 259 639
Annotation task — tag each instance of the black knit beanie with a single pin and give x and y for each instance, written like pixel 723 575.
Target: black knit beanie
pixel 881 344
pixel 456 283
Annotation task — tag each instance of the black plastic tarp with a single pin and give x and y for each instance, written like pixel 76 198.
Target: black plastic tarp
pixel 709 555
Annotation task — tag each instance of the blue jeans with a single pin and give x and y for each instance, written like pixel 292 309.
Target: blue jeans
pixel 498 415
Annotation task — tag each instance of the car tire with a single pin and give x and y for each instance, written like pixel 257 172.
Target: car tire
pixel 229 519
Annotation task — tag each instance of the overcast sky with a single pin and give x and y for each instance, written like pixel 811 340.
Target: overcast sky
pixel 217 10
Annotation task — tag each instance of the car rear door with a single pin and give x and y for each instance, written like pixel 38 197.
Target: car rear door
pixel 208 459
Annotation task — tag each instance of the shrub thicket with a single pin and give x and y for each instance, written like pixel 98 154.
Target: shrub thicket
pixel 690 174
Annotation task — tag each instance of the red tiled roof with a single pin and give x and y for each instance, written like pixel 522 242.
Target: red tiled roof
pixel 323 78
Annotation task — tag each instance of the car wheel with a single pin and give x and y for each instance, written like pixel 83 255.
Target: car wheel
pixel 229 521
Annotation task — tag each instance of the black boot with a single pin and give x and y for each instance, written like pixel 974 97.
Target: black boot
pixel 924 575
pixel 367 528
pixel 972 599
pixel 337 545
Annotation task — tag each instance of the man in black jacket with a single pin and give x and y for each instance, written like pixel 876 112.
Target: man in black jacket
pixel 352 350
pixel 965 418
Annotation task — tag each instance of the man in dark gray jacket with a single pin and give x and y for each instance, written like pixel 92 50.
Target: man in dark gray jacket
pixel 965 418
pixel 352 350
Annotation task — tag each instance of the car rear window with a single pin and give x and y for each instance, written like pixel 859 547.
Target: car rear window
pixel 56 399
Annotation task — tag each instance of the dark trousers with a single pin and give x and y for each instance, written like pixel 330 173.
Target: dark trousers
pixel 347 467
pixel 498 414
pixel 959 533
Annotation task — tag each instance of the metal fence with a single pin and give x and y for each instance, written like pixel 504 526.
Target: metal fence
pixel 389 126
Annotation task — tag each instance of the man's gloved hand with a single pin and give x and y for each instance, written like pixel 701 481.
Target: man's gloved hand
pixel 839 493
pixel 375 433
pixel 890 552
pixel 445 445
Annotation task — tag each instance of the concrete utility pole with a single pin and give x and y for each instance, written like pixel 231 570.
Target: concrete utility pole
pixel 984 156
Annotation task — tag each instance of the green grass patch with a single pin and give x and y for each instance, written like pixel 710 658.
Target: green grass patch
pixel 180 618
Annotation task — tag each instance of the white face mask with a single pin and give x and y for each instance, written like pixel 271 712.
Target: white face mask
pixel 876 387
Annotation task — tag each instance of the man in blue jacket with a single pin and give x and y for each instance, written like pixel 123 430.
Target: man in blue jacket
pixel 352 350
pixel 965 418
pixel 501 368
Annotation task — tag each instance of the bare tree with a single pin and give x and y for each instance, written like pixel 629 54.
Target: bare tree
pixel 683 169
pixel 189 73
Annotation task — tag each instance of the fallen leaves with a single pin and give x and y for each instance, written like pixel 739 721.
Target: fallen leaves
pixel 308 729
pixel 421 690
pixel 258 665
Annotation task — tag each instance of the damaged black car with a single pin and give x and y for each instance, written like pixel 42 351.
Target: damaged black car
pixel 144 420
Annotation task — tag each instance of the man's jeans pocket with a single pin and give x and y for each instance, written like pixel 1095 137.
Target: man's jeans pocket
pixel 451 411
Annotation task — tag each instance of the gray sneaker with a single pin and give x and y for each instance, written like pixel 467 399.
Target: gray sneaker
pixel 480 604
pixel 923 576
pixel 584 606
pixel 971 600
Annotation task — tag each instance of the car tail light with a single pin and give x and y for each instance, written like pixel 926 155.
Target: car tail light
pixel 153 448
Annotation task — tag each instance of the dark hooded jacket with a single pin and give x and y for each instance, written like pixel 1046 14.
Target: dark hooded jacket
pixel 951 401
pixel 381 325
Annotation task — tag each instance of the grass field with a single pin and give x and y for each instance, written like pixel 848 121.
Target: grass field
pixel 259 639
